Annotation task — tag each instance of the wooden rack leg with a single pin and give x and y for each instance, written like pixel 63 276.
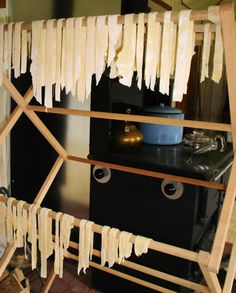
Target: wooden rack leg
pixel 231 270
pixel 210 277
pixel 229 38
pixel 49 282
pixel 5 130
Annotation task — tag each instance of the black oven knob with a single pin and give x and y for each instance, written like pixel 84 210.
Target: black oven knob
pixel 172 190
pixel 101 174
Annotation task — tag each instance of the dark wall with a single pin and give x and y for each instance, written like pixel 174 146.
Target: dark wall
pixel 134 6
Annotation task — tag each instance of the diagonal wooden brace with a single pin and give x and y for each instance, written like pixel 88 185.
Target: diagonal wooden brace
pixel 33 117
pixel 15 115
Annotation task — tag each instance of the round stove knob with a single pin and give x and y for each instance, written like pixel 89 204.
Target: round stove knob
pixel 101 174
pixel 172 190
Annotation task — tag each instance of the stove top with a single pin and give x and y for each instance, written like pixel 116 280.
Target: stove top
pixel 173 159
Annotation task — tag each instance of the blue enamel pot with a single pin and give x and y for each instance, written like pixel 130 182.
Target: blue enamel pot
pixel 159 134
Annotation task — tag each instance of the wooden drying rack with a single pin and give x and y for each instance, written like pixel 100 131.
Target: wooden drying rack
pixel 209 263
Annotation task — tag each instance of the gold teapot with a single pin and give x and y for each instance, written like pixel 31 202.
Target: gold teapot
pixel 126 136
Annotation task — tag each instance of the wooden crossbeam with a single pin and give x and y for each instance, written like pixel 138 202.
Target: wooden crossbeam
pixel 149 173
pixel 133 118
pixel 196 15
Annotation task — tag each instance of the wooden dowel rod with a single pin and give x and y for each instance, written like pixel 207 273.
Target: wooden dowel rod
pixel 154 245
pixel 153 272
pixel 133 118
pixel 196 15
pixel 123 275
pixel 149 173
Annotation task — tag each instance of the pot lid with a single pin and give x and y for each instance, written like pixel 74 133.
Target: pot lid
pixel 162 109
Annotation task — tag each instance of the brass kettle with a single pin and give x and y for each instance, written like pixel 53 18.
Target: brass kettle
pixel 126 136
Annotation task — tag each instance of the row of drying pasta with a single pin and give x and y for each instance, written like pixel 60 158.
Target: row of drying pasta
pixel 66 53
pixel 21 223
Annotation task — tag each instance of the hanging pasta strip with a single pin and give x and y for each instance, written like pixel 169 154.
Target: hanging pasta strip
pixel 101 46
pixel 67 223
pixel 3 231
pixel 114 30
pixel 63 57
pixel 77 54
pixel 81 88
pixel 126 57
pixel 184 54
pixel 125 246
pixel 1 52
pixel 173 49
pixel 50 62
pixel 69 56
pixel 17 49
pixel 214 16
pixel 90 53
pixel 85 245
pixel 37 67
pixel 24 51
pixel 112 247
pixel 25 229
pixel 152 50
pixel 104 244
pixel 141 245
pixel 166 53
pixel 9 45
pixel 45 239
pixel 33 234
pixel 206 52
pixel 57 243
pixel 58 59
pixel 19 229
pixel 140 49
pixel 5 53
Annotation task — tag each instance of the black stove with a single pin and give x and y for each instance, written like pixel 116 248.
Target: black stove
pixel 178 214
